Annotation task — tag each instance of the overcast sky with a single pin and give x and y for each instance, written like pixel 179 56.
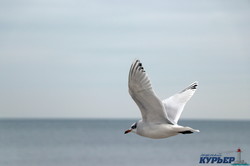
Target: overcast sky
pixel 70 58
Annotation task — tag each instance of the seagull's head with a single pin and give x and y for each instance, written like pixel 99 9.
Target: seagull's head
pixel 132 128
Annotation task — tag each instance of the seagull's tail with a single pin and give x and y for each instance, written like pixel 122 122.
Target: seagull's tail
pixel 196 131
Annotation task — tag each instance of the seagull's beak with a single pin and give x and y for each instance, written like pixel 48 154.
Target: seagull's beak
pixel 127 131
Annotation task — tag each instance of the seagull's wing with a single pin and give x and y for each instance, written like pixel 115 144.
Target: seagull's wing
pixel 140 89
pixel 174 105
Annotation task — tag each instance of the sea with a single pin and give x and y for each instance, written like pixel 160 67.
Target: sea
pixel 102 142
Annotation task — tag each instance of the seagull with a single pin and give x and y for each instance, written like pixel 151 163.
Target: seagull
pixel 159 118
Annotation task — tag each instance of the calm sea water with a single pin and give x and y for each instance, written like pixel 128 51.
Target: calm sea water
pixel 102 143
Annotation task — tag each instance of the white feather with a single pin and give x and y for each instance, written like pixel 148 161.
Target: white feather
pixel 140 89
pixel 174 105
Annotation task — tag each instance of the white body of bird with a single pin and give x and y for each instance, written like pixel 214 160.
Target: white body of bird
pixel 159 118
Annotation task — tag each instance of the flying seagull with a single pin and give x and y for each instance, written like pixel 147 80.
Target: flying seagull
pixel 159 118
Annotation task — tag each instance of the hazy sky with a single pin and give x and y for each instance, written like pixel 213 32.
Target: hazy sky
pixel 66 58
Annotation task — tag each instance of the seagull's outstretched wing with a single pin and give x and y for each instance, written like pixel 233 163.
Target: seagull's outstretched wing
pixel 174 105
pixel 140 89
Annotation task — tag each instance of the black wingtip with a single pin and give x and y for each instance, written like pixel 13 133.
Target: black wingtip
pixel 138 65
pixel 186 132
pixel 194 85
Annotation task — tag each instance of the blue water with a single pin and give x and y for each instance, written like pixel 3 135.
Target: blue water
pixel 102 143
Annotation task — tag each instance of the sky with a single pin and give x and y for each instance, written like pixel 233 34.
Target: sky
pixel 71 58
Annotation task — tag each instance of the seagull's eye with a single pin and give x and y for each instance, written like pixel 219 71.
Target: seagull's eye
pixel 134 126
